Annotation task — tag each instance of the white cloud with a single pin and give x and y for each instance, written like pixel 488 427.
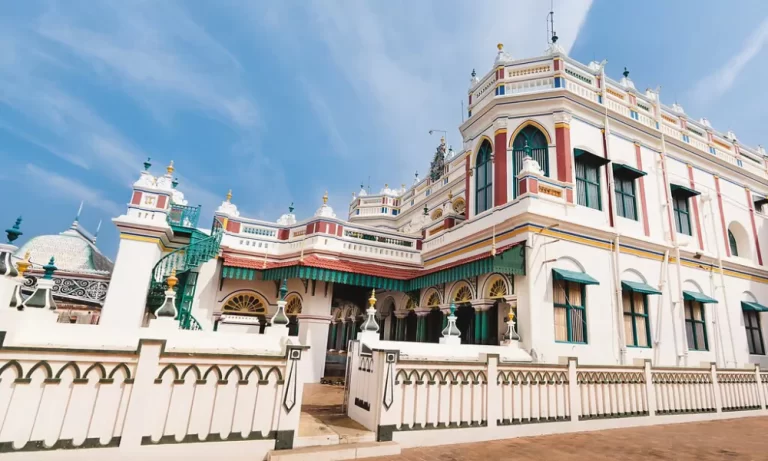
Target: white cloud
pixel 50 184
pixel 721 80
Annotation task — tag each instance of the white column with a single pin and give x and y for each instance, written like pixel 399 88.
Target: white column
pixel 574 393
pixel 136 418
pixel 7 282
pixel 127 296
pixel 313 332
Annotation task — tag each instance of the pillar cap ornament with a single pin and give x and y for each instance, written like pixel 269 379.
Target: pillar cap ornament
pixel 14 232
pixel 370 325
pixel 325 198
pixel 229 196
pixel 49 269
pixel 23 264
pixel 175 182
pixel 283 289
pixel 511 334
pixel 147 164
pixel 169 169
pixel 451 329
pixel 172 280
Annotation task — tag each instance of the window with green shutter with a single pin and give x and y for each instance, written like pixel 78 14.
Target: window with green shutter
pixel 484 179
pixel 732 244
pixel 696 326
pixel 588 184
pixel 626 205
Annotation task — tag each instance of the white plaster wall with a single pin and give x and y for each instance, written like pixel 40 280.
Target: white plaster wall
pixel 127 296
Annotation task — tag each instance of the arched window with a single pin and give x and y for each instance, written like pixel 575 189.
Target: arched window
pixel 529 142
pixel 245 304
pixel 484 179
pixel 732 244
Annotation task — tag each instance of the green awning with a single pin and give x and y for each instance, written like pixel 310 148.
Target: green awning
pixel 589 157
pixel 572 276
pixel 700 297
pixel 639 287
pixel 683 191
pixel 747 306
pixel 332 275
pixel 511 261
pixel 627 171
pixel 238 273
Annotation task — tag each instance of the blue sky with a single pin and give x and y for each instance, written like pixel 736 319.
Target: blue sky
pixel 282 100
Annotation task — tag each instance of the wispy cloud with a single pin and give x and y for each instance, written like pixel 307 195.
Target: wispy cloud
pixel 722 79
pixel 56 185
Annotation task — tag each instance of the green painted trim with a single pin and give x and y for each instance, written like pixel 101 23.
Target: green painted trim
pixel 627 171
pixel 639 287
pixel 756 307
pixel 699 297
pixel 683 191
pixel 572 276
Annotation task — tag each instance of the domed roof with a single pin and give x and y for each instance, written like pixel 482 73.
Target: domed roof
pixel 74 250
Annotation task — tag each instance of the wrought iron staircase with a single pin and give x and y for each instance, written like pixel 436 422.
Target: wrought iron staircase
pixel 183 260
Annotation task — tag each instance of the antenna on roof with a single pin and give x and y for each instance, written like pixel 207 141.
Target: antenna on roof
pixel 369 184
pixel 96 235
pixel 551 35
pixel 79 210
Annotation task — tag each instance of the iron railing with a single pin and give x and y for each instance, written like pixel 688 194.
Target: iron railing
pixel 184 216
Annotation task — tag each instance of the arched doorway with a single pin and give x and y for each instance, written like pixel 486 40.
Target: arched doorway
pixel 292 310
pixel 465 314
pixel 434 318
pixel 498 288
pixel 529 142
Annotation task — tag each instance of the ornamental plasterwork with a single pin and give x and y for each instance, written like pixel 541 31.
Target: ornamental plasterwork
pixel 459 205
pixel 498 289
pixel 245 304
pixel 463 295
pixel 89 290
pixel 293 307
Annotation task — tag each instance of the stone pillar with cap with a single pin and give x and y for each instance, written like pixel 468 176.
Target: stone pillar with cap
pixel 8 271
pixel 278 324
pixel 369 329
pixel 42 297
pixel 17 300
pixel 511 338
pixel 166 316
pixel 451 333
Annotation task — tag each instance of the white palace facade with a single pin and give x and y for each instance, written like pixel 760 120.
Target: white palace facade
pixel 617 230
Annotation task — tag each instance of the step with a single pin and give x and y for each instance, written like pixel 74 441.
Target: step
pixel 336 452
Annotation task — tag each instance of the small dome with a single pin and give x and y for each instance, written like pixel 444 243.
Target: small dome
pixel 73 250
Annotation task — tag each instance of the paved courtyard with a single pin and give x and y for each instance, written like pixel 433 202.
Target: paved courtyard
pixel 737 439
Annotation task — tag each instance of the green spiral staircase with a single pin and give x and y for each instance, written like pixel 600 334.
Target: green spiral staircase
pixel 183 261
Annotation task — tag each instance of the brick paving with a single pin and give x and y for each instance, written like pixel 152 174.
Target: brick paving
pixel 737 439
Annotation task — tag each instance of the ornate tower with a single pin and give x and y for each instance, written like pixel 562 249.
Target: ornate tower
pixel 144 235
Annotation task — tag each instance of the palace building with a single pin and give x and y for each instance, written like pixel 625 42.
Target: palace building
pixel 615 228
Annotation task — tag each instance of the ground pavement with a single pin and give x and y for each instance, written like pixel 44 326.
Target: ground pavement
pixel 732 440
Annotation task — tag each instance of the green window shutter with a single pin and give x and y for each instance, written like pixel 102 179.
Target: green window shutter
pixel 732 244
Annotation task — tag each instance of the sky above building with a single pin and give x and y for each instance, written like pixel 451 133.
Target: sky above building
pixel 283 100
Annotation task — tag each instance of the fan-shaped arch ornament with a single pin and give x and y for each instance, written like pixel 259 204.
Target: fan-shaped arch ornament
pixel 410 305
pixel 437 214
pixel 293 307
pixel 459 205
pixel 433 300
pixel 245 303
pixel 463 295
pixel 498 289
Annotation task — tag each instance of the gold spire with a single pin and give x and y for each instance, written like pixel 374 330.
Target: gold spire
pixel 372 299
pixel 500 46
pixel 325 198
pixel 170 168
pixel 442 139
pixel 172 280
pixel 511 315
pixel 229 196
pixel 23 264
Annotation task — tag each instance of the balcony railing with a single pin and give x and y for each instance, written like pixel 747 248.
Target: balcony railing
pixel 184 216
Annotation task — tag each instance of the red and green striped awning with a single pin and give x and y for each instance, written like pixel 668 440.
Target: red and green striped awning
pixel 510 261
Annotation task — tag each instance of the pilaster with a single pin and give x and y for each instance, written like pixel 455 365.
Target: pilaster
pixel 563 150
pixel 499 162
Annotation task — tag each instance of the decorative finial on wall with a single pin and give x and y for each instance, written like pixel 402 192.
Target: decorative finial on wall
pixel 49 269
pixel 499 46
pixel 290 208
pixel 625 73
pixel 172 280
pixel 147 164
pixel 229 196
pixel 13 233
pixel 170 168
pixel 325 198
pixel 23 265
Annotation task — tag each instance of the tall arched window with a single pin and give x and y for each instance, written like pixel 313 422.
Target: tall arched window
pixel 484 179
pixel 732 244
pixel 529 142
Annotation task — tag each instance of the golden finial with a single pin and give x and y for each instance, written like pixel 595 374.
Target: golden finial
pixel 325 198
pixel 386 185
pixel 511 316
pixel 23 264
pixel 500 46
pixel 442 139
pixel 450 194
pixel 372 299
pixel 229 196
pixel 172 280
pixel 170 168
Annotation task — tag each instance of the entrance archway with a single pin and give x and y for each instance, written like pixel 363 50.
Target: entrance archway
pixel 465 322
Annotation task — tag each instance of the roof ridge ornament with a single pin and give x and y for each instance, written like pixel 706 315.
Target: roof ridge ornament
pixel 14 232
pixel 170 168
pixel 502 57
pixel 147 164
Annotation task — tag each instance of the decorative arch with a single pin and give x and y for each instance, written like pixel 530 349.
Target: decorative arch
pixel 432 298
pixel 691 285
pixel 437 214
pixel 245 303
pixel 476 150
pixel 497 287
pixel 530 139
pixel 459 205
pixel 633 275
pixel 484 178
pixel 566 262
pixel 462 293
pixel 336 313
pixel 387 306
pixel 738 240
pixel 748 297
pixel 526 124
pixel 410 305
pixel 293 305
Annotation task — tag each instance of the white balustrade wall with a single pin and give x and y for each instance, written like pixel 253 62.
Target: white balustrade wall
pixel 99 404
pixel 422 401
